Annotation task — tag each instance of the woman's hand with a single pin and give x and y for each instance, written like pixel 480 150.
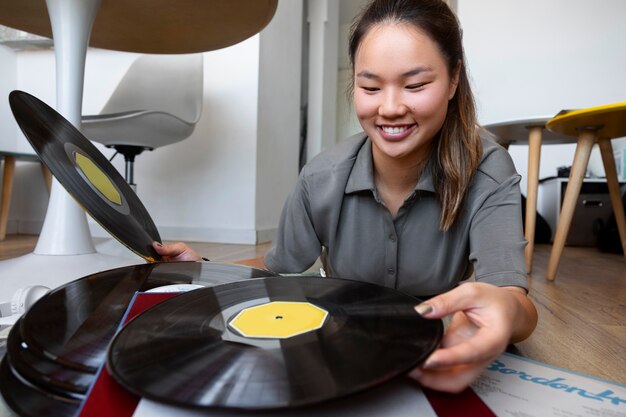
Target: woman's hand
pixel 485 319
pixel 176 252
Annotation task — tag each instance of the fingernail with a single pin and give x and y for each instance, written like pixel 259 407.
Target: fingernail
pixel 429 364
pixel 415 374
pixel 423 309
pixel 158 244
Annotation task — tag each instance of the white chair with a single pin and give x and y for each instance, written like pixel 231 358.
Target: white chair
pixel 157 103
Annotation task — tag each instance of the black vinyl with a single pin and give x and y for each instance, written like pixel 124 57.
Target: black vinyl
pixel 183 351
pixel 57 142
pixel 74 324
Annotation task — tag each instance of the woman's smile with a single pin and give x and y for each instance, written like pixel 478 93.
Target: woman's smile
pixel 396 132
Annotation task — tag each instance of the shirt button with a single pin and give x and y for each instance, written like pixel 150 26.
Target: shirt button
pixel 392 238
pixel 391 271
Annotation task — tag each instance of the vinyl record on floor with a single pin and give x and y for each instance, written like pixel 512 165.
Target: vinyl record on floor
pixel 73 324
pixel 43 372
pixel 27 400
pixel 271 343
pixel 86 174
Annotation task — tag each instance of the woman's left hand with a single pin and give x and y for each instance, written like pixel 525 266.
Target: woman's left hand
pixel 485 319
pixel 176 252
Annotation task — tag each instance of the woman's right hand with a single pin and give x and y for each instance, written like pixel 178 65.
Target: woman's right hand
pixel 176 252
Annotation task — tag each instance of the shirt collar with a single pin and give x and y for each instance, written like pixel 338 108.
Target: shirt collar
pixel 362 174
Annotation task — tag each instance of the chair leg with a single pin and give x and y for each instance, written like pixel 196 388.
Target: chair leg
pixel 606 150
pixel 534 157
pixel 577 175
pixel 7 188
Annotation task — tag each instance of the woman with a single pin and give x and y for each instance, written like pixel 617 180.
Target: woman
pixel 421 200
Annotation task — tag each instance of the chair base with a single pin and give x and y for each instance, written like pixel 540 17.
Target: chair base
pixel 130 152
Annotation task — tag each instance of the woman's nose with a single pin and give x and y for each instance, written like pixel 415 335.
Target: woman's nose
pixel 392 105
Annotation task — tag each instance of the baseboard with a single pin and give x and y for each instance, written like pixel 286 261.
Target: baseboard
pixel 12 227
pixel 196 234
pixel 24 227
pixel 191 234
pixel 266 235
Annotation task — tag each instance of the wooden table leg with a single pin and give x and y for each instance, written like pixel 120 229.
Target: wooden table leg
pixel 534 157
pixel 7 188
pixel 47 176
pixel 606 150
pixel 586 140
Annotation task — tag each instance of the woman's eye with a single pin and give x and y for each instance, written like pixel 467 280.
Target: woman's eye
pixel 415 86
pixel 370 89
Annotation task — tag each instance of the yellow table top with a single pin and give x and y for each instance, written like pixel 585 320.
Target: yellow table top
pixel 155 26
pixel 609 121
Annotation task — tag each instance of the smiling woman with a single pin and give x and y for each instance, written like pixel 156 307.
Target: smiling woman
pixel 431 51
pixel 421 200
pixel 401 100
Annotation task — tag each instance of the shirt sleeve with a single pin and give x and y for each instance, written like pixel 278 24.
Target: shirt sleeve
pixel 496 237
pixel 297 245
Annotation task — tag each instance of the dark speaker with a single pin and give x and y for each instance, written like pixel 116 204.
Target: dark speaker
pixel 593 211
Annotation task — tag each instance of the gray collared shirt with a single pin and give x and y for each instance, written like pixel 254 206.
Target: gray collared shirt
pixel 335 205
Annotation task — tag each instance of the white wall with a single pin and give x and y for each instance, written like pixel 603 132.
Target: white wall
pixel 324 40
pixel 8 77
pixel 537 57
pixel 279 115
pixel 205 187
pixel 347 122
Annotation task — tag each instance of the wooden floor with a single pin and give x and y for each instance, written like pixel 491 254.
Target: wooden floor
pixel 16 245
pixel 582 314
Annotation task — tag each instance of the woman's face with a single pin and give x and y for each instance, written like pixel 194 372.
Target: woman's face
pixel 401 90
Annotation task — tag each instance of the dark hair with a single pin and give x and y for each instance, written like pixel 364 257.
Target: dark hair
pixel 458 149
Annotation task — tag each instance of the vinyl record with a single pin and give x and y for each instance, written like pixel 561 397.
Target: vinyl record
pixel 27 400
pixel 73 324
pixel 43 372
pixel 86 174
pixel 271 343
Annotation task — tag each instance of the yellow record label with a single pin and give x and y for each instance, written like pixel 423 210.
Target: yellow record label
pixel 279 319
pixel 98 178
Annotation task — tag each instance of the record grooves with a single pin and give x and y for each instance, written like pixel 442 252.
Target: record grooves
pixel 30 401
pixel 185 352
pixel 43 372
pixel 73 324
pixel 86 174
pixel 56 348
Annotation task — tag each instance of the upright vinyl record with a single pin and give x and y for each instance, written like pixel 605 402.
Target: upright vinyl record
pixel 86 174
pixel 29 401
pixel 271 343
pixel 73 324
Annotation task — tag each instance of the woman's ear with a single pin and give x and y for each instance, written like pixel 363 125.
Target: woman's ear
pixel 454 80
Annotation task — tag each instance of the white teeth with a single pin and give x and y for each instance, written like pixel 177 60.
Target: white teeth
pixel 393 130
